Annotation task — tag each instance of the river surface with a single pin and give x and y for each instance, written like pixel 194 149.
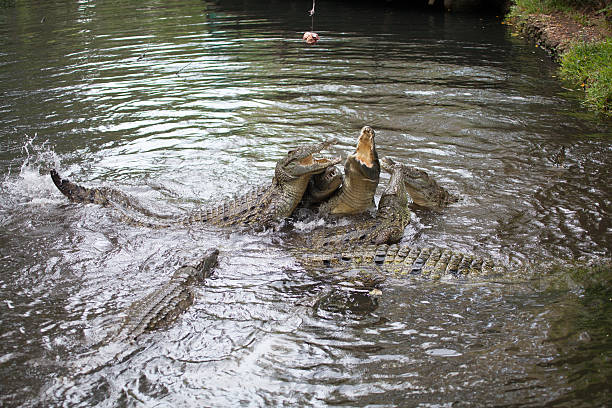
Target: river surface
pixel 181 104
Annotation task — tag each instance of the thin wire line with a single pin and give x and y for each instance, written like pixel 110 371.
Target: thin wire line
pixel 312 13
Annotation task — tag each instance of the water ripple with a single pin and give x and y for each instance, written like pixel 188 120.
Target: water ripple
pixel 182 105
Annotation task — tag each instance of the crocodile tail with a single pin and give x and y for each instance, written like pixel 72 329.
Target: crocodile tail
pixel 76 193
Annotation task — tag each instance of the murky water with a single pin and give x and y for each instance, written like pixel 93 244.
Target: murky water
pixel 181 103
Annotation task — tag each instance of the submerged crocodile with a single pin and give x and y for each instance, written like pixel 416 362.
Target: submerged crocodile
pixel 262 207
pixel 375 263
pixel 361 176
pixel 160 308
pixel 423 189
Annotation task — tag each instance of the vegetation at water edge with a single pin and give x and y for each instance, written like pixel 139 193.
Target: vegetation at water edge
pixel 583 64
pixel 603 7
pixel 590 66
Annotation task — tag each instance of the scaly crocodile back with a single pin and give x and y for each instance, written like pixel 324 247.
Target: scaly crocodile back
pixel 237 210
pixel 401 261
pixel 155 311
pixel 161 307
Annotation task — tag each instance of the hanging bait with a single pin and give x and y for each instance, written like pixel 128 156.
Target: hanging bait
pixel 310 37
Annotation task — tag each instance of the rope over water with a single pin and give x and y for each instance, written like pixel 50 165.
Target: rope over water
pixel 312 12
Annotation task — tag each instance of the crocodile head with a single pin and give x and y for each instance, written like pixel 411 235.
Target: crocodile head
pixel 301 163
pixel 361 175
pixel 393 214
pixel 292 175
pixel 365 159
pixel 423 189
pixel 208 262
pixel 190 274
pixel 323 185
pixel 394 197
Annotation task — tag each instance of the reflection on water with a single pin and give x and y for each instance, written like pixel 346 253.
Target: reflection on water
pixel 185 104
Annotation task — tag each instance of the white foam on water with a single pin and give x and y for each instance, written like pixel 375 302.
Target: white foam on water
pixel 32 185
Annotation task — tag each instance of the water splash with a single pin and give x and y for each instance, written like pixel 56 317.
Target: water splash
pixel 31 186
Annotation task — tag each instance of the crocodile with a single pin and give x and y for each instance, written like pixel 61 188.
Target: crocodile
pixel 260 208
pixel 373 264
pixel 160 308
pixel 387 226
pixel 424 191
pixel 392 215
pixel 321 187
pixel 361 176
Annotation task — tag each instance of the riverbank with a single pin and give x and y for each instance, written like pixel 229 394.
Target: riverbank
pixel 579 39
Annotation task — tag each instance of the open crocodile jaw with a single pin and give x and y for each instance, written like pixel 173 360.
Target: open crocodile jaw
pixel 366 149
pixel 361 176
pixel 365 158
pixel 302 161
pixel 330 180
pixel 313 165
pixel 323 185
pixel 309 164
pixel 355 166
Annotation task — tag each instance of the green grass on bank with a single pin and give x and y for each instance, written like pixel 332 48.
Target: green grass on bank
pixel 584 65
pixel 590 66
pixel 603 7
